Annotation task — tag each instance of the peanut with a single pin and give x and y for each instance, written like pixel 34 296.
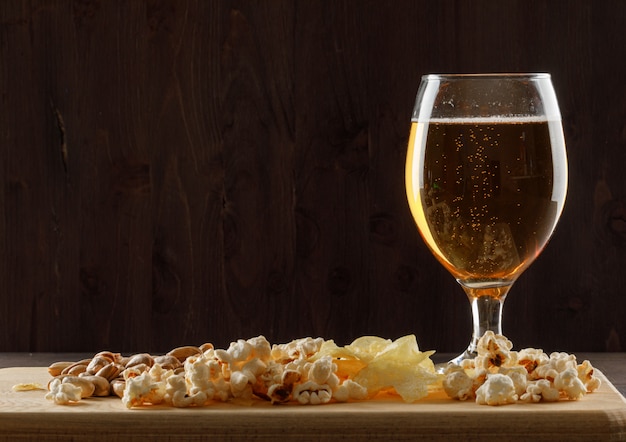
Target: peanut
pixel 140 359
pixel 56 368
pixel 98 362
pixel 102 387
pixel 117 387
pixel 182 353
pixel 168 362
pixel 75 369
pixel 110 371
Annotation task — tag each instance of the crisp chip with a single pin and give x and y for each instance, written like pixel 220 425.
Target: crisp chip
pixel 348 364
pixel 401 366
pixel 367 347
pixel 27 386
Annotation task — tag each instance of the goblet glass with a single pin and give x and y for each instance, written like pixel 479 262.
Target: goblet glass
pixel 486 179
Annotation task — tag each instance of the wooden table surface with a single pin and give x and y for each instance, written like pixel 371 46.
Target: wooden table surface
pixel 28 416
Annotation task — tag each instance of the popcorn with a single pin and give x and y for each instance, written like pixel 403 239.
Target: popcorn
pixel 176 393
pixel 199 373
pixel 306 371
pixel 494 351
pixel 280 392
pixel 498 389
pixel 311 392
pixel 297 349
pixel 540 390
pixel 531 358
pixel 585 374
pixel 142 389
pixel 518 375
pixel 568 382
pixel 457 384
pixel 498 375
pixel 349 390
pixel 63 393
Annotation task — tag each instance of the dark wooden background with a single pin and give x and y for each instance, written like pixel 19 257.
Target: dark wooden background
pixel 178 172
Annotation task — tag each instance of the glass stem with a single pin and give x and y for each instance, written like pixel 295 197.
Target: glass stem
pixel 486 315
pixel 487 303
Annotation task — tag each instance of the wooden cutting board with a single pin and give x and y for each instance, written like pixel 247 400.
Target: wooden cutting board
pixel 29 416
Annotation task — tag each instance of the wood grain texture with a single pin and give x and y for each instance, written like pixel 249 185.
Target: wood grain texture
pixel 176 172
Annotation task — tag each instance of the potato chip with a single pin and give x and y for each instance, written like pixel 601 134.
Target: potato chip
pixel 401 366
pixel 367 347
pixel 27 386
pixel 348 364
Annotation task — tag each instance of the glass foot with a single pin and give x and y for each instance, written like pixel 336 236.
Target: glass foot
pixel 467 354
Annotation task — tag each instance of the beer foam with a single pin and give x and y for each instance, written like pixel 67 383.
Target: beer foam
pixel 497 119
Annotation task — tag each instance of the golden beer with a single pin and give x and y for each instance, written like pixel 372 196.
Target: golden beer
pixel 485 195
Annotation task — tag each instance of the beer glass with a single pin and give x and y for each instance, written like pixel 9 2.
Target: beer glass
pixel 486 179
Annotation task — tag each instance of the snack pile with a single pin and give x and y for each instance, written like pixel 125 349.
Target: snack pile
pixel 498 375
pixel 317 371
pixel 305 371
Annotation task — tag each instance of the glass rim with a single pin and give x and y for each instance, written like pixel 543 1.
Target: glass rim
pixel 489 75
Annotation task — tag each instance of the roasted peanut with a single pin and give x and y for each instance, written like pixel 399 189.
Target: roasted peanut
pixel 102 387
pixel 140 359
pixel 110 371
pixel 206 346
pixel 168 362
pixel 56 368
pixel 75 369
pixel 182 353
pixel 98 362
pixel 117 387
pixel 113 357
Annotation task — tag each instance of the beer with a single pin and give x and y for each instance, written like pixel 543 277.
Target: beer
pixel 487 195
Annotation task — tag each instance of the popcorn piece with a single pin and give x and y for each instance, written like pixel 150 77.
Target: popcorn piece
pixel 494 351
pixel 321 370
pixel 312 393
pixel 457 384
pixel 175 390
pixel 176 393
pixel 241 385
pixel 518 375
pixel 538 390
pixel 349 390
pixel 498 389
pixel 63 393
pixel 142 389
pixel 198 377
pixel 530 359
pixel 557 363
pixel 298 349
pixel 222 389
pixel 585 373
pixel 568 382
pixel 261 348
pixel 271 376
pixel 281 392
pixel 240 350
